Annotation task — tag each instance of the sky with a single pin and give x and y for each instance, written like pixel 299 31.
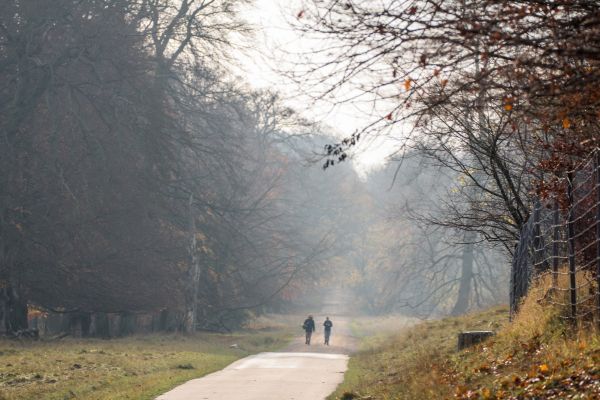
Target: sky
pixel 271 49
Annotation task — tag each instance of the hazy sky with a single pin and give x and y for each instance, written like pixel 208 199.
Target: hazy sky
pixel 274 44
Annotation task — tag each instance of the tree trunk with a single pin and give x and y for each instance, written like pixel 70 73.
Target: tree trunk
pixel 101 325
pixel 14 309
pixel 466 277
pixel 189 323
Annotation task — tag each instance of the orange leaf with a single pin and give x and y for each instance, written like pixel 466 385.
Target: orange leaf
pixel 508 107
pixel 544 368
pixel 407 84
pixel 486 393
pixel 461 390
pixel 566 123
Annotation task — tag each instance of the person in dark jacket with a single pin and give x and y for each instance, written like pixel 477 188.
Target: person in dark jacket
pixel 328 325
pixel 309 328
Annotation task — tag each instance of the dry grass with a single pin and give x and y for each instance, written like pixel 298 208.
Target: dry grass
pixel 407 366
pixel 139 367
pixel 380 327
pixel 538 356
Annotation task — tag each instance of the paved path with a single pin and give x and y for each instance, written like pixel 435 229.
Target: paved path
pixel 300 372
pixel 268 376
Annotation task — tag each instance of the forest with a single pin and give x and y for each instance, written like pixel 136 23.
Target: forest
pixel 192 179
pixel 142 180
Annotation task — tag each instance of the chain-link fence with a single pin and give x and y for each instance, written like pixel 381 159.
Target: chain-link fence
pixel 559 246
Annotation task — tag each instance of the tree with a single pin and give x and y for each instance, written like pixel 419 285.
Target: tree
pixel 526 71
pixel 417 266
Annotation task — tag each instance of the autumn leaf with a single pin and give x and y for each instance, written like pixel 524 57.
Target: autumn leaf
pixel 389 117
pixel 461 390
pixel 300 14
pixel 566 123
pixel 544 369
pixel 508 103
pixel 407 84
pixel 486 393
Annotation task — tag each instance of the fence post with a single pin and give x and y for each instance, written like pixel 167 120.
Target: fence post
pixel 571 241
pixel 555 239
pixel 538 245
pixel 597 169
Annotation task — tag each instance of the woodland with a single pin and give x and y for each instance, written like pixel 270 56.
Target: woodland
pixel 141 178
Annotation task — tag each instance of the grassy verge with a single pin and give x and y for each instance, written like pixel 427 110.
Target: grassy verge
pixel 140 367
pixel 536 357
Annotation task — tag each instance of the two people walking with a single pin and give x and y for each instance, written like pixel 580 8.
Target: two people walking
pixel 309 328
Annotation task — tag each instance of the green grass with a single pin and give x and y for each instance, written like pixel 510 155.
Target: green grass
pixel 139 367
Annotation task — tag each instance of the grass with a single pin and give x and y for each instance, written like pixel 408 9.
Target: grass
pixel 538 356
pixel 139 367
pixel 401 366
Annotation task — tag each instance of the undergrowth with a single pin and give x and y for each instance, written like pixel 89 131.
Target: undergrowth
pixel 540 355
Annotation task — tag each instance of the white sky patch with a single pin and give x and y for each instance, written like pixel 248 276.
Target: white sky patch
pixel 273 49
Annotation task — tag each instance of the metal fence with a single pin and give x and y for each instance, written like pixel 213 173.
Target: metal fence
pixel 560 246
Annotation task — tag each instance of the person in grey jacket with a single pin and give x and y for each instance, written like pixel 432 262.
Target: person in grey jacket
pixel 328 325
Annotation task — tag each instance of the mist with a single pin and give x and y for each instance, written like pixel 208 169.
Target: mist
pixel 143 189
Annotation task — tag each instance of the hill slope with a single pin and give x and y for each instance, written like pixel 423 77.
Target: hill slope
pixel 536 357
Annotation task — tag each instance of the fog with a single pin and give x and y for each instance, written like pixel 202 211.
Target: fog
pixel 144 188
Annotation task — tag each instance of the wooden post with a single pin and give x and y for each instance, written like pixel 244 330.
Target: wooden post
pixel 537 238
pixel 555 239
pixel 571 241
pixel 470 338
pixel 597 170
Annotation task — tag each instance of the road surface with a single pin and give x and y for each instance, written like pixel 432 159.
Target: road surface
pixel 268 376
pixel 300 372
